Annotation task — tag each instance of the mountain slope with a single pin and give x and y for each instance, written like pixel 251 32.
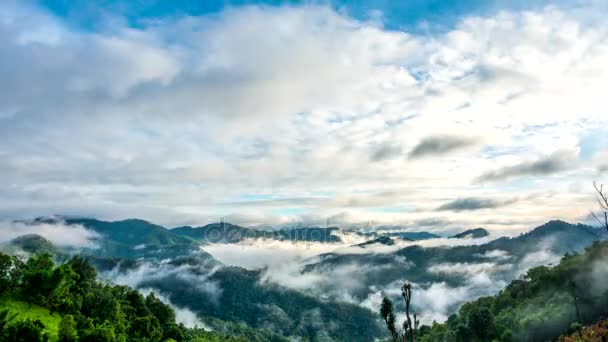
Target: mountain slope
pixel 540 306
pixel 134 238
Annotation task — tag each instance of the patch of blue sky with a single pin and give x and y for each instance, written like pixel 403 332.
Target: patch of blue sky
pixel 494 151
pixel 418 16
pixel 592 142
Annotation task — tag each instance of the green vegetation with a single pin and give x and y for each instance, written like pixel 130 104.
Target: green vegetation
pixel 42 301
pixel 27 311
pixel 544 304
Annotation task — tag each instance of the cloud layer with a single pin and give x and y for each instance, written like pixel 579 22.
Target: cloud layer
pixel 179 118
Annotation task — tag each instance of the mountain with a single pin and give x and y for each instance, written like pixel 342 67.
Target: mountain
pixel 415 236
pixel 218 233
pixel 231 233
pixel 135 238
pixel 148 256
pixel 382 240
pixel 471 234
pixel 310 234
pixel 541 305
pixel 405 236
pixel 418 264
pixel 232 294
pixel 31 243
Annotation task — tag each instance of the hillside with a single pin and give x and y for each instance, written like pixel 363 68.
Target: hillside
pixel 22 310
pixel 41 301
pixel 540 306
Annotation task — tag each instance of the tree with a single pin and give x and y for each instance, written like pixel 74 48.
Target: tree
pixel 5 319
pixel 388 316
pixel 406 293
pixel 409 329
pixel 481 323
pixel 25 331
pixel 67 329
pixel 99 333
pixel 163 312
pixel 6 263
pixel 602 200
pixel 145 329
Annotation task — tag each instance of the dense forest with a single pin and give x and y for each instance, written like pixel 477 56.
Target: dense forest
pixel 44 301
pixel 542 305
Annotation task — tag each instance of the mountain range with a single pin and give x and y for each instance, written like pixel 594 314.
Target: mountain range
pixel 338 305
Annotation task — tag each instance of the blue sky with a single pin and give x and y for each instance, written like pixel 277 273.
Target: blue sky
pixel 410 15
pixel 272 113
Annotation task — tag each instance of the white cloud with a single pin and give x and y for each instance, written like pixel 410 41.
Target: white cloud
pixel 59 234
pixel 178 118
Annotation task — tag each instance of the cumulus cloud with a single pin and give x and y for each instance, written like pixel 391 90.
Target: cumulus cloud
pixel 554 163
pixel 59 234
pixel 171 114
pixel 472 203
pixel 439 145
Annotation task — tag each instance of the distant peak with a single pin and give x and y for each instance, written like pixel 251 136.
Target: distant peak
pixel 472 234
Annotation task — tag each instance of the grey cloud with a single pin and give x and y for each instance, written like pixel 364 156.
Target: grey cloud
pixel 428 222
pixel 440 145
pixel 473 203
pixel 554 163
pixel 385 152
pixel 602 168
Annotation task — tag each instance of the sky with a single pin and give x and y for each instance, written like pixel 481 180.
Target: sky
pixel 426 115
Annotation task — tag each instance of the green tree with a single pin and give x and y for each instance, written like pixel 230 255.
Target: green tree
pixel 387 314
pixel 99 333
pixel 145 329
pixel 24 331
pixel 6 263
pixel 67 329
pixel 481 323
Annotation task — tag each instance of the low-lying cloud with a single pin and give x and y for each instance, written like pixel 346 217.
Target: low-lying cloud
pixel 59 234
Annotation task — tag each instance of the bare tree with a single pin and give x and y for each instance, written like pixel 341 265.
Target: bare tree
pixel 410 327
pixel 602 200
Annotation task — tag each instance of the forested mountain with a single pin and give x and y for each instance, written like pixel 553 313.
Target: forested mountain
pixel 264 303
pixel 42 301
pixel 540 306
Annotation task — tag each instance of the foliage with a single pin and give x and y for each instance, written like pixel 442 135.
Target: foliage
pixel 43 301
